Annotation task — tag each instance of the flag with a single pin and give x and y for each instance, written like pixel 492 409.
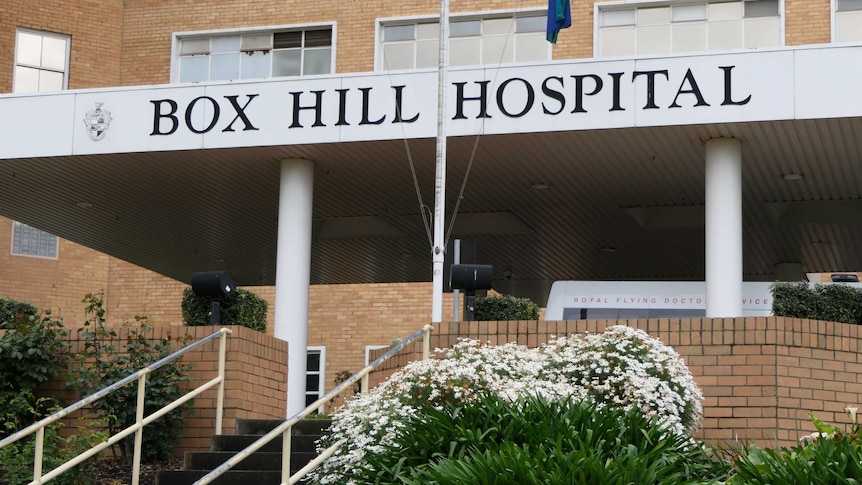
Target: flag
pixel 559 17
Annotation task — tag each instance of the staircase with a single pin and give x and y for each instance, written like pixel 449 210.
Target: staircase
pixel 260 468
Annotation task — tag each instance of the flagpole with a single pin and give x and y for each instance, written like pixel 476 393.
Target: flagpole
pixel 439 244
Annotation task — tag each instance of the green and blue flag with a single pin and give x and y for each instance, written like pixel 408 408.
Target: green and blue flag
pixel 559 17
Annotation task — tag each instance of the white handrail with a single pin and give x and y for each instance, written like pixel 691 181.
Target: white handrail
pixel 284 429
pixel 140 420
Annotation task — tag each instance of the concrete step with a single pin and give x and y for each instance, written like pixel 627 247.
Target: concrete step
pixel 239 442
pixel 256 461
pixel 233 477
pixel 263 426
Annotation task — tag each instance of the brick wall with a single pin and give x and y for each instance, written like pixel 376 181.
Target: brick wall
pixel 760 376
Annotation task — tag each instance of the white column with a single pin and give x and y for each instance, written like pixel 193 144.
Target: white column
pixel 293 273
pixel 723 228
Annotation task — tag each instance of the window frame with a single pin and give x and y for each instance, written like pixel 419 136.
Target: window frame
pixel 599 7
pixel 41 33
pixel 177 37
pixel 321 389
pixel 833 22
pixel 12 252
pixel 383 22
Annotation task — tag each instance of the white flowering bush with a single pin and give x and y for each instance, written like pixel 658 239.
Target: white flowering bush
pixel 622 367
pixel 625 367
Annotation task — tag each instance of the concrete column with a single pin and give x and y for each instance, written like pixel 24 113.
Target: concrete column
pixel 723 227
pixel 293 273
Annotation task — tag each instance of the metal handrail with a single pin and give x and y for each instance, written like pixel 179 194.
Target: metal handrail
pixel 140 420
pixel 284 429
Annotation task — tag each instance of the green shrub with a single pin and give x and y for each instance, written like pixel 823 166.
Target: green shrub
pixel 32 353
pixel 243 308
pixel 833 303
pixel 505 307
pixel 100 364
pixel 535 441
pixel 13 312
pixel 827 457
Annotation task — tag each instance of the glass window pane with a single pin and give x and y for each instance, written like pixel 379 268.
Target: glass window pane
pixel 256 42
pixel 847 5
pixel 530 24
pixel 502 26
pixel 254 65
pixel 50 81
pixel 286 63
pixel 688 13
pixel 654 39
pixel 226 43
pixel 464 52
pixel 653 16
pixel 29 49
pixel 224 67
pixel 689 37
pixel 317 61
pixel 26 80
pixel 194 69
pixel 427 53
pixel 761 8
pixel 399 32
pixel 398 56
pixel 312 383
pixel 762 32
pixel 725 35
pixel 531 47
pixel 318 38
pixel 428 31
pixel 724 11
pixel 29 241
pixel 847 25
pixel 498 49
pixel 613 18
pixel 195 46
pixel 310 398
pixel 312 361
pixel 465 28
pixel 287 40
pixel 54 53
pixel 618 41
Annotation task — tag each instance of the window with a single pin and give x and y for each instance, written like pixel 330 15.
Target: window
pixel 315 375
pixel 254 55
pixel 29 241
pixel 41 61
pixel 848 21
pixel 660 29
pixel 472 41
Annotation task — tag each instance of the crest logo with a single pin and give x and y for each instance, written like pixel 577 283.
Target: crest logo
pixel 97 121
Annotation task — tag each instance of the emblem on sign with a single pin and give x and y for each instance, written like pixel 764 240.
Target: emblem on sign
pixel 97 121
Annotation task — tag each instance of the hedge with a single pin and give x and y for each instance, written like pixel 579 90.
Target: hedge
pixel 243 308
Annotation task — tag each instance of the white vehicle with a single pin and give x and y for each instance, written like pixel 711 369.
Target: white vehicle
pixel 597 300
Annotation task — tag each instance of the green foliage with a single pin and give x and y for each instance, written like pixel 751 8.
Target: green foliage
pixel 505 307
pixel 13 312
pixel 830 457
pixel 243 308
pixel 17 458
pixel 535 441
pixel 31 353
pixel 100 364
pixel 833 303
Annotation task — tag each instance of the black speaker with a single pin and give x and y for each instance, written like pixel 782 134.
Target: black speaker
pixel 215 284
pixel 471 276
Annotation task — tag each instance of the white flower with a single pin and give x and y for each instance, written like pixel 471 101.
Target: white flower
pixel 852 412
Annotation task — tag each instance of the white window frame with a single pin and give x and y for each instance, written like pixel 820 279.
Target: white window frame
pixel 12 252
pixel 321 389
pixel 598 7
pixel 178 36
pixel 388 21
pixel 833 19
pixel 66 38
